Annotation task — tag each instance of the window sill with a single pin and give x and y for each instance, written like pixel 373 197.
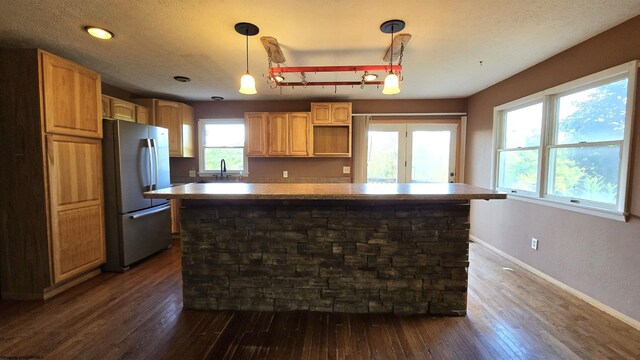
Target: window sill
pixel 608 214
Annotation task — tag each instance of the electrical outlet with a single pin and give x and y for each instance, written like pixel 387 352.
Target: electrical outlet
pixel 192 173
pixel 534 243
pixel 346 169
pixel 285 174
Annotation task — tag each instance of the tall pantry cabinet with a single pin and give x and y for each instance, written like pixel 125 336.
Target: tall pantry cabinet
pixel 52 206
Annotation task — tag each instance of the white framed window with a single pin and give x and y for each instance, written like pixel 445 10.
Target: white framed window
pixel 222 140
pixel 569 146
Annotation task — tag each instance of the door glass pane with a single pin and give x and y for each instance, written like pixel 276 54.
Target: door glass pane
pixel 430 156
pixel 382 162
pixel 595 114
pixel 589 173
pixel 522 126
pixel 518 170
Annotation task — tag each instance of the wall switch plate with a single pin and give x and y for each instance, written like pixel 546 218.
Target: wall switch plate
pixel 534 243
pixel 285 174
pixel 346 170
pixel 192 173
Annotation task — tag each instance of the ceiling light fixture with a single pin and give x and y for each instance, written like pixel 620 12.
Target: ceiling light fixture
pixel 98 32
pixel 247 83
pixel 391 82
pixel 182 78
pixel 369 77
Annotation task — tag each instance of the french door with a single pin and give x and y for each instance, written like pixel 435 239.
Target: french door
pixel 413 152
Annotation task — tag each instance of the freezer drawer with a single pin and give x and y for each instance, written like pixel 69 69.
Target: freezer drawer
pixel 142 233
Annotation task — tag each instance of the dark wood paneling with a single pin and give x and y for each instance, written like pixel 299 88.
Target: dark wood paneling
pixel 139 315
pixel 22 176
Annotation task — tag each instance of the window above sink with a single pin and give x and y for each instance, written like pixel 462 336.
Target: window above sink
pixel 221 148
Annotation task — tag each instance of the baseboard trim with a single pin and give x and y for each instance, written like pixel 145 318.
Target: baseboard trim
pixel 51 292
pixel 607 309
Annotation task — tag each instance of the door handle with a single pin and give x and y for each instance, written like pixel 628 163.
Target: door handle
pixel 150 186
pixel 155 152
pixel 137 216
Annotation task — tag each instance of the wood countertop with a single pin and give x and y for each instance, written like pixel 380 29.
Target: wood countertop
pixel 288 191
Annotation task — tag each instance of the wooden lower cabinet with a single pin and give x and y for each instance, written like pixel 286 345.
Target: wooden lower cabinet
pixel 76 203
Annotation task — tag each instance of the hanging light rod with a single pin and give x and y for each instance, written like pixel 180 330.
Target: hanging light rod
pixel 346 68
pixel 274 74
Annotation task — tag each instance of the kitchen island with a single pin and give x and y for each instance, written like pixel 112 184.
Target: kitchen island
pixel 380 248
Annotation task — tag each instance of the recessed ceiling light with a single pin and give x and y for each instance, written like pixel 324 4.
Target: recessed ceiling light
pixel 217 98
pixel 369 77
pixel 279 78
pixel 98 32
pixel 182 78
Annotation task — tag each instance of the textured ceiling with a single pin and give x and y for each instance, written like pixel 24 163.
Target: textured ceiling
pixel 158 39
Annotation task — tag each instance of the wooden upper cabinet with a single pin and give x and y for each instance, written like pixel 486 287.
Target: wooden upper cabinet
pixel 142 115
pixel 177 117
pixel 168 116
pixel 187 131
pixel 341 113
pixel 123 110
pixel 72 101
pixel 256 130
pixel 331 133
pixel 331 113
pixel 106 106
pixel 76 205
pixel 278 134
pixel 321 113
pixel 299 130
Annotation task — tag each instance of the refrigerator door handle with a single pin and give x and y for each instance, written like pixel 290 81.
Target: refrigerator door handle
pixel 155 211
pixel 150 186
pixel 155 152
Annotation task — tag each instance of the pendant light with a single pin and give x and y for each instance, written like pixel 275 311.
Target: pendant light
pixel 247 83
pixel 391 82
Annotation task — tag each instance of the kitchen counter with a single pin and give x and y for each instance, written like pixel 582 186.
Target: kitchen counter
pixel 355 248
pixel 247 191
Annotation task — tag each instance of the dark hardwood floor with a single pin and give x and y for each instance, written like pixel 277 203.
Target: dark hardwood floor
pixel 139 315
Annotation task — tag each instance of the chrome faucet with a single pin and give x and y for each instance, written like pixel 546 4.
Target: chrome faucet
pixel 223 167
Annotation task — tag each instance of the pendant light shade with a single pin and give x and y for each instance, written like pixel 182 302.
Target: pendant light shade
pixel 247 83
pixel 391 84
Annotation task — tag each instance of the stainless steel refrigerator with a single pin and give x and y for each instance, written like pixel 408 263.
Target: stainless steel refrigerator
pixel 135 160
